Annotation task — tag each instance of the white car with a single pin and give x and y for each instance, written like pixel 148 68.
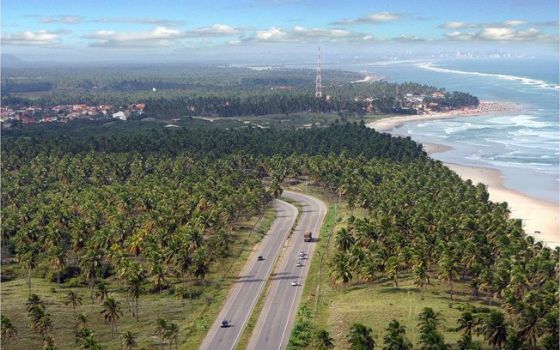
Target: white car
pixel 294 284
pixel 299 264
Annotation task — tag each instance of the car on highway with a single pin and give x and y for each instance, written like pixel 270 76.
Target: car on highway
pixel 225 324
pixel 299 264
pixel 294 283
pixel 260 258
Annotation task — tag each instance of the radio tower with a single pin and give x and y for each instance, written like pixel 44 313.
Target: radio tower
pixel 318 87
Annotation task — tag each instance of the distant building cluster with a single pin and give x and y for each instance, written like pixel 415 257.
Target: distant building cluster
pixel 415 103
pixel 66 113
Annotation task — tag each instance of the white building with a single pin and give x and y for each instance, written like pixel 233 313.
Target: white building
pixel 120 115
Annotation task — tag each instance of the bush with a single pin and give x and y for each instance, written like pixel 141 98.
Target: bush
pixel 7 275
pixel 66 274
pixel 74 282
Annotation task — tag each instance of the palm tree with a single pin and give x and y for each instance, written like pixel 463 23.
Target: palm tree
pixel 448 271
pixel 172 334
pixel 48 343
pixel 361 337
pixel 392 270
pixel 28 259
pixel 89 343
pixel 395 338
pixel 467 322
pixel 494 329
pixel 102 291
pixel 57 261
pixel 9 331
pixel 129 340
pixel 74 299
pixel 421 277
pixel 340 268
pixel 111 312
pixel 161 327
pixel 323 340
pixel 430 338
pixel 82 320
pixel 34 301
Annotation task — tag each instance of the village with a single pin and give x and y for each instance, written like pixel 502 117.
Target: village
pixel 67 113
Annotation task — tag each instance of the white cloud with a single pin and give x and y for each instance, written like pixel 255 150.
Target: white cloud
pixel 141 20
pixel 272 34
pixel 459 36
pixel 409 38
pixel 300 34
pixel 160 36
pixel 38 38
pixel 214 30
pixel 513 22
pixel 380 17
pixel 501 33
pixel 454 25
pixel 61 19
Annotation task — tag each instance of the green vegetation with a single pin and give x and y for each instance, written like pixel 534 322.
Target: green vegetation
pixel 138 222
pixel 217 91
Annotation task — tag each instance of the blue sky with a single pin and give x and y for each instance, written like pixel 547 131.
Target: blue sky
pixel 89 30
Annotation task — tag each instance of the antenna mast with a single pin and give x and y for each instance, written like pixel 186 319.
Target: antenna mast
pixel 318 86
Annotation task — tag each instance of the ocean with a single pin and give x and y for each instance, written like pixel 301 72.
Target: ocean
pixel 523 145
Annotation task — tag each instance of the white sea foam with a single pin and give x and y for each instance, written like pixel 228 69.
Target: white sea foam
pixel 523 80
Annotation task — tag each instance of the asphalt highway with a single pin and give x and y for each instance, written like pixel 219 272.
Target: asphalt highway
pixel 277 317
pixel 245 293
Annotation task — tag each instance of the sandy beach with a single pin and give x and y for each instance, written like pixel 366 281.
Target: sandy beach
pixel 485 107
pixel 540 217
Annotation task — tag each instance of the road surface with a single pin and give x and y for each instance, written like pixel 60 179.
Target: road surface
pixel 247 288
pixel 277 317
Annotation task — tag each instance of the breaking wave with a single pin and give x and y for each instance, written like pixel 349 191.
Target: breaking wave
pixel 523 80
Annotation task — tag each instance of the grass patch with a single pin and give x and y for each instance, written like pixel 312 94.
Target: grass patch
pixel 336 308
pixel 194 317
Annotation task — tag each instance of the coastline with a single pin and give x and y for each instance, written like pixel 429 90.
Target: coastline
pixel 540 217
pixel 485 107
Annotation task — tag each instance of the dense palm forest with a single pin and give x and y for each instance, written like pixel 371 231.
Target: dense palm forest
pixel 156 207
pixel 214 91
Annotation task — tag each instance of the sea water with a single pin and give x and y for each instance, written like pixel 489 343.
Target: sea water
pixel 524 145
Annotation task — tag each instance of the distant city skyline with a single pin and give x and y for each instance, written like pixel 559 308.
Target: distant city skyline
pixel 272 29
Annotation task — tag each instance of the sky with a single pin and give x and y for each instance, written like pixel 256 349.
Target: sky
pixel 178 30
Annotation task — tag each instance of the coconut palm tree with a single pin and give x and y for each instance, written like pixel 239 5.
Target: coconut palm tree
pixel 102 291
pixel 467 322
pixel 494 329
pixel 161 327
pixel 82 320
pixel 448 271
pixel 323 340
pixel 361 337
pixel 111 312
pixel 9 331
pixel 395 338
pixel 88 342
pixel 171 334
pixel 430 338
pixel 74 299
pixel 34 301
pixel 340 268
pixel 129 340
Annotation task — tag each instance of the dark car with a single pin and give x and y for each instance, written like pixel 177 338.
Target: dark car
pixel 260 258
pixel 225 324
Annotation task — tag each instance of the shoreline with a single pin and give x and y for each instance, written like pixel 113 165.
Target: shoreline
pixel 540 217
pixel 485 107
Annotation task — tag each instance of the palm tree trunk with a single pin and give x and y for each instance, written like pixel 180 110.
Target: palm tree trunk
pixel 29 280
